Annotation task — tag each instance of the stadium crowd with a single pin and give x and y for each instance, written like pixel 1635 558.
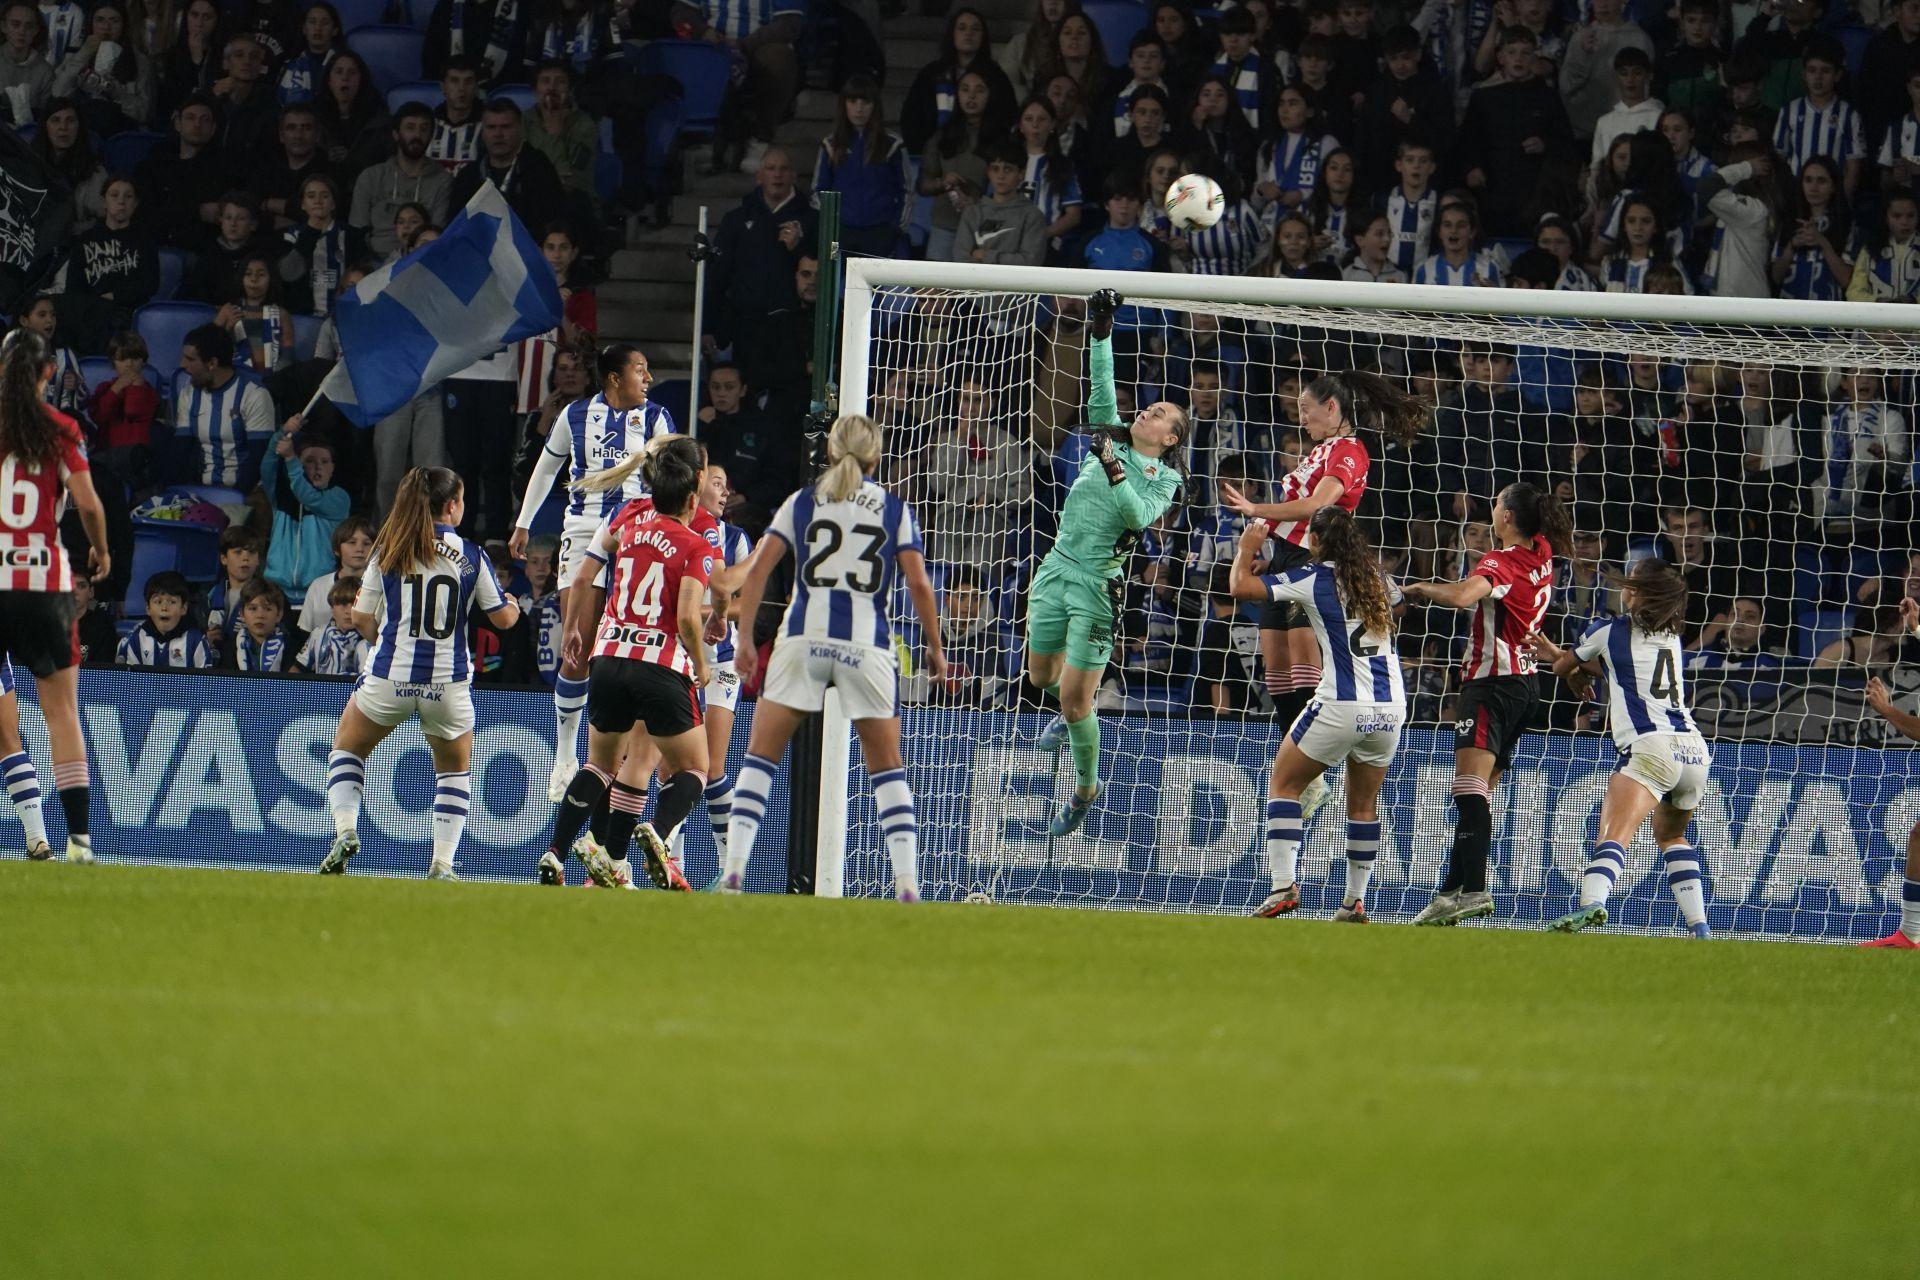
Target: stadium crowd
pixel 240 155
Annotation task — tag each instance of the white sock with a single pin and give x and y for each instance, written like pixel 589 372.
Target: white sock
pixel 901 830
pixel 569 703
pixel 1283 841
pixel 452 797
pixel 719 796
pixel 1686 881
pixel 1910 908
pixel 1363 846
pixel 750 792
pixel 23 788
pixel 346 783
pixel 1596 883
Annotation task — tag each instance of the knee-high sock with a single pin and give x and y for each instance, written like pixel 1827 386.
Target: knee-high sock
pixel 1363 846
pixel 1603 871
pixel 571 814
pixel 452 798
pixel 719 797
pixel 1687 882
pixel 23 788
pixel 70 780
pixel 624 807
pixel 750 792
pixel 1283 841
pixel 1910 907
pixel 1472 837
pixel 346 784
pixel 1084 737
pixel 677 798
pixel 899 828
pixel 569 701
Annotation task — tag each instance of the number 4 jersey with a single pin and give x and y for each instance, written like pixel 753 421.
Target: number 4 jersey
pixel 1645 688
pixel 651 557
pixel 847 554
pixel 423 612
pixel 32 497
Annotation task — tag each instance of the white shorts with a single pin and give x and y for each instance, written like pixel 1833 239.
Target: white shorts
pixel 1673 766
pixel 866 675
pixel 723 692
pixel 445 710
pixel 576 539
pixel 1330 732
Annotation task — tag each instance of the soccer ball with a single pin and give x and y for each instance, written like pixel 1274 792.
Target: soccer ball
pixel 1195 201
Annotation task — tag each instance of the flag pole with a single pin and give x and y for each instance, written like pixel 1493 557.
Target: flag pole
pixel 701 251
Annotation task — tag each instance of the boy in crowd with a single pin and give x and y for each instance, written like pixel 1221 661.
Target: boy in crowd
pixel 259 643
pixel 1004 226
pixel 1636 108
pixel 1899 158
pixel 338 648
pixel 240 551
pixel 1413 204
pixel 1510 132
pixel 163 640
pixel 1146 65
pixel 1820 123
pixel 1408 102
pixel 93 622
pixel 1687 76
pixel 1237 63
pixel 352 547
pixel 456 121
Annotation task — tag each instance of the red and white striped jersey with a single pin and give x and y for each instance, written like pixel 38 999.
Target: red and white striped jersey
pixel 642 621
pixel 534 359
pixel 1342 458
pixel 33 496
pixel 1522 579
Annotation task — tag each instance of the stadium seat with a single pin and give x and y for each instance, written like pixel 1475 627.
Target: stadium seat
pixel 95 370
pixel 306 332
pixel 425 92
pixel 608 172
pixel 392 54
pixel 703 71
pixel 196 547
pixel 1815 629
pixel 173 269
pixel 671 395
pixel 360 13
pixel 520 95
pixel 1118 22
pixel 123 152
pixel 164 325
pixel 151 555
pixel 1853 38
pixel 218 495
pixel 415 13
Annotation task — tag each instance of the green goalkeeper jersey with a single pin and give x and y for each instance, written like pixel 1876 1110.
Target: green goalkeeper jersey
pixel 1102 521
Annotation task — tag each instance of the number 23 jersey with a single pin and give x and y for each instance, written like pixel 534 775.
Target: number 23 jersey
pixel 847 553
pixel 423 612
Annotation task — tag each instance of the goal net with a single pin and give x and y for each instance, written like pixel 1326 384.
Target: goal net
pixel 1762 447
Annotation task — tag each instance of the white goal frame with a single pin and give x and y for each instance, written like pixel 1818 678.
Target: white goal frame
pixel 865 275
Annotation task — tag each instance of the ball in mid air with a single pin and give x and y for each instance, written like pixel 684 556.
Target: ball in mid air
pixel 1195 201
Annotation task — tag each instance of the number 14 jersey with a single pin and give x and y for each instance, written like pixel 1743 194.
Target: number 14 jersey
pixel 846 553
pixel 423 612
pixel 653 555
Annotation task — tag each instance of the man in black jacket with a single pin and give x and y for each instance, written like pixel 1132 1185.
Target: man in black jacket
pixel 1510 132
pixel 778 361
pixel 756 252
pixel 761 453
pixel 249 107
pixel 1891 56
pixel 181 180
pixel 1408 101
pixel 525 177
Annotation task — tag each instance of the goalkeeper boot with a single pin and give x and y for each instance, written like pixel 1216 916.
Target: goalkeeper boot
pixel 1279 903
pixel 599 865
pixel 1053 738
pixel 552 870
pixel 1444 909
pixel 1312 796
pixel 1895 941
pixel 1068 820
pixel 345 845
pixel 1355 914
pixel 42 852
pixel 662 867
pixel 1590 916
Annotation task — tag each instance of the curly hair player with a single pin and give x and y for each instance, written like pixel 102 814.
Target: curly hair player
pixel 1129 479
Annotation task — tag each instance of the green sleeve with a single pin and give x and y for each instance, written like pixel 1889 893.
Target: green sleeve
pixel 1103 407
pixel 1140 500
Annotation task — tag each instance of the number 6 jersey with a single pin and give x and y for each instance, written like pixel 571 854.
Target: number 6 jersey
pixel 32 497
pixel 423 612
pixel 846 555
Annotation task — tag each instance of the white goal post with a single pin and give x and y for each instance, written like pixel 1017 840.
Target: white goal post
pixel 1806 344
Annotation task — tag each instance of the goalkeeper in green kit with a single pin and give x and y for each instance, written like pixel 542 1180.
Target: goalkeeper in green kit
pixel 1127 482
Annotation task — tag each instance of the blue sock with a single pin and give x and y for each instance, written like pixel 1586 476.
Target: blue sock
pixel 1283 841
pixel 750 792
pixel 899 828
pixel 1596 883
pixel 1363 846
pixel 1686 881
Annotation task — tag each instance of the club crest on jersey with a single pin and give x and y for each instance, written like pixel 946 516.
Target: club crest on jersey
pixel 707 565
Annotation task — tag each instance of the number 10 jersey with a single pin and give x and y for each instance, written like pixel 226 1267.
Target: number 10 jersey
pixel 847 555
pixel 423 611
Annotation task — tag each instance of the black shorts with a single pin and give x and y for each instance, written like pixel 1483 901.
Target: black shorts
pixel 1285 615
pixel 1494 712
pixel 37 629
pixel 623 690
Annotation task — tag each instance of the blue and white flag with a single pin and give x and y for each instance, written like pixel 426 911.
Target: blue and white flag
pixel 481 286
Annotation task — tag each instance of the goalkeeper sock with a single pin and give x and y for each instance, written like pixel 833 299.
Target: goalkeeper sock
pixel 1283 841
pixel 1910 908
pixel 750 792
pixel 1363 845
pixel 1085 737
pixel 346 783
pixel 1472 836
pixel 23 788
pixel 899 827
pixel 1603 869
pixel 1686 881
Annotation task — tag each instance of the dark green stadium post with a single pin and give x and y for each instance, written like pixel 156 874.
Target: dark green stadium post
pixel 803 787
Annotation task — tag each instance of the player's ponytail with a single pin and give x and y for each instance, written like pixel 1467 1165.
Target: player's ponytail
pixel 406 540
pixel 1537 512
pixel 1371 402
pixel 26 428
pixel 672 472
pixel 616 475
pixel 1659 595
pixel 1339 540
pixel 853 450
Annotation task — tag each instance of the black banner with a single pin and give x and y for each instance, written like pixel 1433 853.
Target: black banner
pixel 36 213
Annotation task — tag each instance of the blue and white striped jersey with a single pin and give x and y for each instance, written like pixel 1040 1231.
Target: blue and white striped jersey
pixel 185 650
pixel 1690 168
pixel 735 546
pixel 1356 665
pixel 1574 276
pixel 1646 686
pixel 230 422
pixel 1804 130
pixel 592 436
pixel 1243 78
pixel 330 651
pixel 423 613
pixel 1292 161
pixel 66 29
pixel 1229 246
pixel 738 19
pixel 1621 274
pixel 847 554
pixel 1480 268
pixel 1052 187
pixel 1412 222
pixel 1900 142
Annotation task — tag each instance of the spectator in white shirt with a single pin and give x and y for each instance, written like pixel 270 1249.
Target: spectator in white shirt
pixel 1636 108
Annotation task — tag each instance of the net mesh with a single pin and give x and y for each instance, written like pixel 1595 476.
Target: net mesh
pixel 1772 465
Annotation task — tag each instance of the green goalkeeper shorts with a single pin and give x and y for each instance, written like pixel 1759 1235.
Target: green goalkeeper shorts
pixel 1067 611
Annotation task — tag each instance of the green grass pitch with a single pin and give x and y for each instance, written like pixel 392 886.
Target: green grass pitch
pixel 242 1074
